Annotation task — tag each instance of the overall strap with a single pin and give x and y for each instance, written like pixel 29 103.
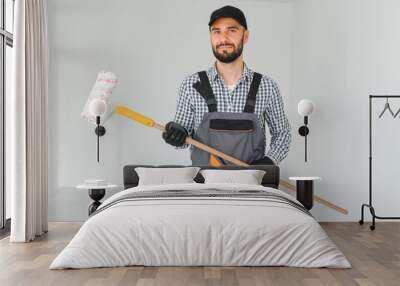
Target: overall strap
pixel 204 88
pixel 251 97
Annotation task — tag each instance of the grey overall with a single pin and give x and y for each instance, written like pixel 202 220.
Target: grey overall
pixel 236 134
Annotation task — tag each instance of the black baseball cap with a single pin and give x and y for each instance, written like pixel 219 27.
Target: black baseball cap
pixel 228 12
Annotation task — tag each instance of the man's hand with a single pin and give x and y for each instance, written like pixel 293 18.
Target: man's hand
pixel 263 161
pixel 175 134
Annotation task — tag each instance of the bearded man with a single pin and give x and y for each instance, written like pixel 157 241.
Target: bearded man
pixel 229 106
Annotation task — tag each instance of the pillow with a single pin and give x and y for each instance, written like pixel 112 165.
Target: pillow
pixel 163 176
pixel 248 177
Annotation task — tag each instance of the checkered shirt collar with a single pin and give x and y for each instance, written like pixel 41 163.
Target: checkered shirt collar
pixel 246 74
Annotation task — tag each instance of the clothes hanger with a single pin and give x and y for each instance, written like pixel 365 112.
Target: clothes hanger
pixel 397 113
pixel 387 107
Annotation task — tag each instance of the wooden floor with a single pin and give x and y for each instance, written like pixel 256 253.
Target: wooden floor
pixel 375 257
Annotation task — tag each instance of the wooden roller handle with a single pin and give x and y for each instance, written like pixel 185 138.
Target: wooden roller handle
pixel 124 111
pixel 283 183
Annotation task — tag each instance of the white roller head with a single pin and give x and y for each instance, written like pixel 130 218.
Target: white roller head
pixel 101 90
pixel 305 107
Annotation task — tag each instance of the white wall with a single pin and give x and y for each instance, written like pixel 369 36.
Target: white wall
pixel 335 52
pixel 342 52
pixel 151 46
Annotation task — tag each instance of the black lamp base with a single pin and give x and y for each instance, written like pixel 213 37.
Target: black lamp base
pixel 304 131
pixel 100 130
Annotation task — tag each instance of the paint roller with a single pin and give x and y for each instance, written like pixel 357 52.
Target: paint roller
pixel 101 91
pixel 149 122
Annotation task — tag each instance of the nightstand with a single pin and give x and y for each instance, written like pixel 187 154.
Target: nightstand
pixel 304 190
pixel 96 193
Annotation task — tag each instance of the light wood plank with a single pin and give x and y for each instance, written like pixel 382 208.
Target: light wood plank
pixel 375 257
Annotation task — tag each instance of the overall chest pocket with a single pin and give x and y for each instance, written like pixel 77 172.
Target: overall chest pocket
pixel 231 125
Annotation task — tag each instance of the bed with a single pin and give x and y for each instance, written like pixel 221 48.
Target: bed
pixel 199 224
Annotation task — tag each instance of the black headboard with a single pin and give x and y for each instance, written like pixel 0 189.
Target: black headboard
pixel 270 179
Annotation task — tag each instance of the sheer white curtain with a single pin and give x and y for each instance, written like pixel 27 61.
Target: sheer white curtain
pixel 27 122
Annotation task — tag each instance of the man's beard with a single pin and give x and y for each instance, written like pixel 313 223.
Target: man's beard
pixel 226 57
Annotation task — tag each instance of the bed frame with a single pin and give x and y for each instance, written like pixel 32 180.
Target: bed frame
pixel 270 179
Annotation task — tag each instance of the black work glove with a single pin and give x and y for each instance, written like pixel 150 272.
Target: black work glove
pixel 263 161
pixel 175 134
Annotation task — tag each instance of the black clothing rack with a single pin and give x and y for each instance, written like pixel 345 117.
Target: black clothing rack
pixel 369 205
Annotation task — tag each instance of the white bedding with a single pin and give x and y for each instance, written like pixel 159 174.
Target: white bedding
pixel 200 231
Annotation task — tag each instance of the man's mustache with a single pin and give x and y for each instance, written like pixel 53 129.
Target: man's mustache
pixel 225 44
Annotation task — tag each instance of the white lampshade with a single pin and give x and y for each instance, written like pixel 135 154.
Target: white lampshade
pixel 97 107
pixel 305 107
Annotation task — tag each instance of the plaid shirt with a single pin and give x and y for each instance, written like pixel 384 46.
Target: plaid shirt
pixel 269 108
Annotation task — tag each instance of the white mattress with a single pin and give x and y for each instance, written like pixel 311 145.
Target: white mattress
pixel 200 231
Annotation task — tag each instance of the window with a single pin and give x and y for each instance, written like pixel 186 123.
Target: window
pixel 6 44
